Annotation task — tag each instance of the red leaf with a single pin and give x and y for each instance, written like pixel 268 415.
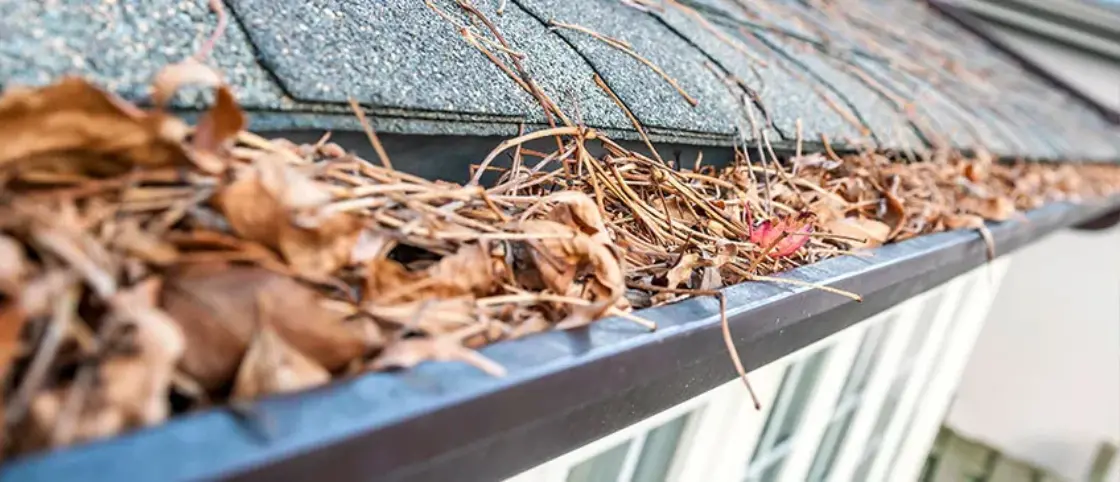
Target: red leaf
pixel 782 238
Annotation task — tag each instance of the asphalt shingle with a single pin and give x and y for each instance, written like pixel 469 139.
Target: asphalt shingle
pixel 651 98
pixel 786 97
pixel 889 126
pixel 393 53
pixel 895 68
pixel 121 45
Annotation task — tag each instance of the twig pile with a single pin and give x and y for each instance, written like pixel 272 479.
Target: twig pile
pixel 148 267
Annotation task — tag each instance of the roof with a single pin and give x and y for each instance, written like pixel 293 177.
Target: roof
pixel 864 73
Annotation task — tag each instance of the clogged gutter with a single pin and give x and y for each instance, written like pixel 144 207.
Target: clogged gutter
pixel 149 268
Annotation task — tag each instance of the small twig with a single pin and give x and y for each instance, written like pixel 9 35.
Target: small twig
pixel 219 30
pixel 724 325
pixel 371 134
pixel 629 115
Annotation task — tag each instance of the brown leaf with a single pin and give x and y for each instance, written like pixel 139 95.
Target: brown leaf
pixel 129 389
pixel 874 233
pixel 710 276
pixel 371 244
pixel 474 269
pixel 261 205
pixel 579 211
pixel 216 305
pixel 410 352
pixel 271 365
pixel 251 210
pixel 432 316
pixel 995 208
pixel 322 250
pixel 560 259
pixel 138 383
pixel 216 131
pixel 78 127
pixel 681 272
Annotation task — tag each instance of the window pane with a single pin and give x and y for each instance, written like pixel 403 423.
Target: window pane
pixel 770 474
pixel 604 467
pixel 657 453
pixel 762 447
pixel 901 379
pixel 958 314
pixel 806 383
pixel 830 447
pixel 793 398
pixel 870 351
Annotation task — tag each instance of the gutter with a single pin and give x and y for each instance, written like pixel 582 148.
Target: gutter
pixel 446 421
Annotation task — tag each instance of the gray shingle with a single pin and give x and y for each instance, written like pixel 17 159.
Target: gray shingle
pixel 121 45
pixel 421 77
pixel 890 127
pixel 652 99
pixel 785 97
pixel 394 53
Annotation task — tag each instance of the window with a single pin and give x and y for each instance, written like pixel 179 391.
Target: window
pixel 645 458
pixel 958 318
pixel 898 385
pixel 793 397
pixel 851 396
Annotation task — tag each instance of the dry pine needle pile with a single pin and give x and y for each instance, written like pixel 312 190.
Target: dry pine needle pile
pixel 148 267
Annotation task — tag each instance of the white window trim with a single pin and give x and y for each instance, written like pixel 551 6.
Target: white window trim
pixel 723 429
pixel 935 403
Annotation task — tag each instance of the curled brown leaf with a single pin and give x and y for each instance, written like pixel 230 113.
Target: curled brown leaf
pixel 216 305
pixel 75 127
pixel 271 365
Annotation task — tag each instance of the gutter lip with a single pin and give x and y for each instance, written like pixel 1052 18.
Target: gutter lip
pixel 447 421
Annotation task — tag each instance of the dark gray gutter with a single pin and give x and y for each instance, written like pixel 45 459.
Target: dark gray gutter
pixel 446 421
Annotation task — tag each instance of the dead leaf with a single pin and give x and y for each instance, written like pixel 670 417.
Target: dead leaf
pixel 784 237
pixel 80 128
pixel 261 206
pixel 579 211
pixel 371 244
pixel 216 131
pixel 410 352
pixel 320 251
pixel 994 209
pixel 216 305
pixel 432 316
pixel 271 365
pixel 710 276
pixel 138 384
pixel 873 233
pixel 129 389
pixel 560 259
pixel 682 272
